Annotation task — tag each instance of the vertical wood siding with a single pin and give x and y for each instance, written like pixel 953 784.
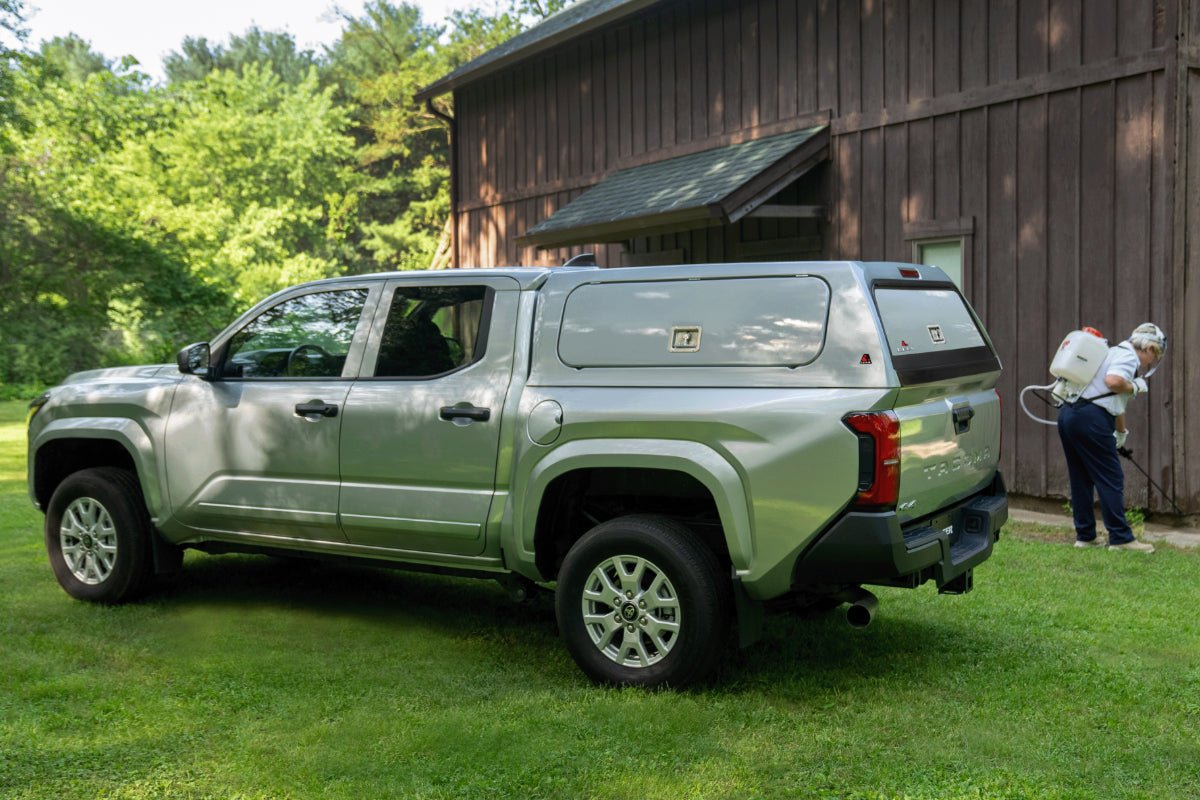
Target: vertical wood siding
pixel 1069 180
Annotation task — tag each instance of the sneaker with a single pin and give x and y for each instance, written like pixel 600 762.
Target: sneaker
pixel 1136 546
pixel 1088 543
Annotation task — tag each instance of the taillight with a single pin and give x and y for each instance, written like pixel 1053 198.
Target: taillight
pixel 878 458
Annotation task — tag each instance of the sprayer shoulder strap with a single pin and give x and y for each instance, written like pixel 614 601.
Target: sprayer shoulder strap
pixel 1097 397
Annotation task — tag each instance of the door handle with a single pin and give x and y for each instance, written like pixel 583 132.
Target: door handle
pixel 466 412
pixel 316 407
pixel 962 419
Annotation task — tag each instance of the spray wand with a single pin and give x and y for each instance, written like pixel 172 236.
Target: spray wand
pixel 1127 454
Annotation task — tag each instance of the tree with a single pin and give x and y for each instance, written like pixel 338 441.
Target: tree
pixel 274 50
pixel 73 57
pixel 382 59
pixel 242 175
pixel 81 284
pixel 12 29
pixel 134 218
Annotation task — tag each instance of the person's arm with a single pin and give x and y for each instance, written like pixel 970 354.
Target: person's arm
pixel 1120 423
pixel 1116 383
pixel 1121 385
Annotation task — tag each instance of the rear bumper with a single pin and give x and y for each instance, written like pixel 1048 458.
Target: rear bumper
pixel 872 548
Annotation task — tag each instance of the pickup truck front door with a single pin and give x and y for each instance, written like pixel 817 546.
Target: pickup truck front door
pixel 421 429
pixel 253 454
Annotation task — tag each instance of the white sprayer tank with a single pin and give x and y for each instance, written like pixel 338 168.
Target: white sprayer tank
pixel 1075 364
pixel 1078 357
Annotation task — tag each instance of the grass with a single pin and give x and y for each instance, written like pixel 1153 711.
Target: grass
pixel 1066 674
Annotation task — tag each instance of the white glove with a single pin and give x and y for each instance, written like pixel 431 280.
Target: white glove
pixel 1139 386
pixel 1121 436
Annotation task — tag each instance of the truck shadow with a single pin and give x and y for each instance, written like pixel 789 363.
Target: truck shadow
pixel 392 598
pixel 823 653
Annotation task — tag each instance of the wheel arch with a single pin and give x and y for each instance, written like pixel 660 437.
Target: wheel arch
pixel 695 465
pixel 69 445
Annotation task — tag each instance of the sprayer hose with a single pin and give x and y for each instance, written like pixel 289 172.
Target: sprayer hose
pixel 1025 408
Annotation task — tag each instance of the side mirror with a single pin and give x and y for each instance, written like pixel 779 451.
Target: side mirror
pixel 195 359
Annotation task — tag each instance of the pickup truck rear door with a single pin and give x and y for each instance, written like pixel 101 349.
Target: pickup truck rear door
pixel 421 430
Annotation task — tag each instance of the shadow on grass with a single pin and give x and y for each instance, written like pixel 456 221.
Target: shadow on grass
pixel 824 650
pixel 389 597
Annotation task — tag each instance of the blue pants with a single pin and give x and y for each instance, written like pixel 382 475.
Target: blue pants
pixel 1086 431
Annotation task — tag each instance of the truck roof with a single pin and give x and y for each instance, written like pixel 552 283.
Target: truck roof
pixel 533 277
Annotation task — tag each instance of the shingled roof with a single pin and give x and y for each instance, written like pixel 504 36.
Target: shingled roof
pixel 717 186
pixel 574 20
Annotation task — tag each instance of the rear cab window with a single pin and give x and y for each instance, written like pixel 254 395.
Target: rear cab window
pixel 931 333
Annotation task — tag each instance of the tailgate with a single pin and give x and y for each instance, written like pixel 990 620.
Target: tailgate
pixel 949 447
pixel 948 410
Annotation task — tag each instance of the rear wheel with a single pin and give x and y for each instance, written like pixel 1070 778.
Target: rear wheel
pixel 641 601
pixel 98 535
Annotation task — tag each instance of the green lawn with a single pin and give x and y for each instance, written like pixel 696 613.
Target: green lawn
pixel 1065 674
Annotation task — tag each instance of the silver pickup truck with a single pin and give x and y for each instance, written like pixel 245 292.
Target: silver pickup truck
pixel 672 450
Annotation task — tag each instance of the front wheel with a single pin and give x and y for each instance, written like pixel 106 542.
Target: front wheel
pixel 641 601
pixel 98 535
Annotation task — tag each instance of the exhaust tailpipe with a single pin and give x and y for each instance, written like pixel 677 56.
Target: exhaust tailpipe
pixel 862 608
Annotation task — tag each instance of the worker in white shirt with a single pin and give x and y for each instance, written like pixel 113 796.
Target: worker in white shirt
pixel 1093 428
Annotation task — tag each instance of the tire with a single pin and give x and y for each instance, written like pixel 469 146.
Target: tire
pixel 98 536
pixel 673 597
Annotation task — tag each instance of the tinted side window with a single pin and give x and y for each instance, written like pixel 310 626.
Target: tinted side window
pixel 431 330
pixel 305 337
pixel 722 322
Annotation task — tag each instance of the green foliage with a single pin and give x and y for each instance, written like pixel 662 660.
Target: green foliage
pixel 1136 517
pixel 384 55
pixel 403 151
pixel 241 179
pixel 73 58
pixel 273 50
pixel 136 217
pixel 12 35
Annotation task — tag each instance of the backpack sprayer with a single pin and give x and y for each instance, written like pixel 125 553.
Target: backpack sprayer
pixel 1074 367
pixel 1075 364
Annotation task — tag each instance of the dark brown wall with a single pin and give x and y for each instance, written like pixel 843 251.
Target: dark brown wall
pixel 1047 127
pixel 1186 285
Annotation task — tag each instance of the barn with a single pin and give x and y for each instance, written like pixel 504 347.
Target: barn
pixel 1044 152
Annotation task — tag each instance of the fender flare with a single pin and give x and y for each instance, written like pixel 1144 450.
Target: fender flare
pixel 699 461
pixel 124 432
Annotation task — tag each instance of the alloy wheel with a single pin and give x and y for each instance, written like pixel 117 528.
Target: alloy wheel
pixel 89 540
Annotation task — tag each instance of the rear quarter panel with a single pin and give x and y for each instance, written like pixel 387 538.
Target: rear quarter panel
pixel 778 427
pixel 795 464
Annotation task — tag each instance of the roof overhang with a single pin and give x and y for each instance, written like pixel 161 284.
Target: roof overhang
pixel 571 22
pixel 712 187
